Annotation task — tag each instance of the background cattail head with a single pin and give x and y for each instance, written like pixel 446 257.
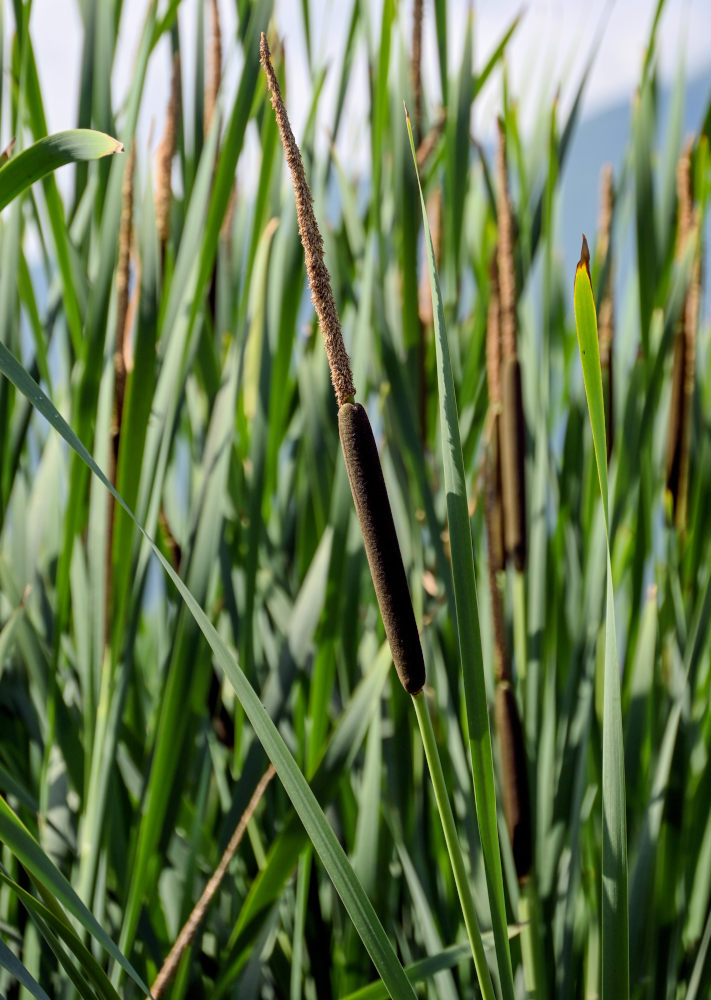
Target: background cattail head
pixel 494 498
pixel 514 779
pixel 164 158
pixel 513 451
pixel 493 337
pixel 214 65
pixel 505 251
pixel 417 68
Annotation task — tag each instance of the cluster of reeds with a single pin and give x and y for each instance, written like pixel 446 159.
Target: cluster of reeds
pixel 684 363
pixel 161 659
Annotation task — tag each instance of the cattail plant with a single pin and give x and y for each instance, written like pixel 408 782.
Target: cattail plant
pixel 164 160
pixel 495 514
pixel 214 66
pixel 417 67
pixel 513 437
pixel 120 350
pixel 683 369
pixel 357 441
pixel 514 768
pixel 606 311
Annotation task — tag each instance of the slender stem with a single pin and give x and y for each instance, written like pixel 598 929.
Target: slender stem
pixel 453 847
pixel 534 970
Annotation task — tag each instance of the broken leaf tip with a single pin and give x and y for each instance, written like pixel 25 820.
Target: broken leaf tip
pixel 584 257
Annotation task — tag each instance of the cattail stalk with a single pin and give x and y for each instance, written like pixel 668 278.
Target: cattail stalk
pixel 417 67
pixel 192 924
pixel 357 442
pixel 513 428
pixel 513 438
pixel 514 768
pixel 214 66
pixel 122 283
pixel 606 311
pixel 495 511
pixel 164 160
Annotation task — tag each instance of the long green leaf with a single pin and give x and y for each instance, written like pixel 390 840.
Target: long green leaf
pixel 44 156
pixel 320 833
pixel 15 835
pixel 615 919
pixel 9 961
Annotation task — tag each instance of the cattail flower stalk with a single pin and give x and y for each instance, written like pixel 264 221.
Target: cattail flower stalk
pixel 192 924
pixel 514 768
pixel 497 549
pixel 357 441
pixel 513 437
pixel 417 67
pixel 122 283
pixel 214 66
pixel 164 160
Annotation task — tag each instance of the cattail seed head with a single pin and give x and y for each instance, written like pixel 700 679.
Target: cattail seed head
pixel 513 450
pixel 381 545
pixel 417 67
pixel 164 158
pixel 494 505
pixel 514 779
pixel 493 338
pixel 505 252
pixel 214 66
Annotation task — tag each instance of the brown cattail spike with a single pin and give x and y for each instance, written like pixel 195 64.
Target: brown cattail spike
pixel 494 503
pixel 214 66
pixel 493 338
pixel 319 279
pixel 514 778
pixel 606 312
pixel 417 67
pixel 513 450
pixel 381 544
pixel 505 253
pixel 495 510
pixel 164 159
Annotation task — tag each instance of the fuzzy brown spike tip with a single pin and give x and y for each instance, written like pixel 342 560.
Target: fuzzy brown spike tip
pixel 319 278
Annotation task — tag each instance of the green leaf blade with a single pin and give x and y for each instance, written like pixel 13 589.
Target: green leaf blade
pixel 49 153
